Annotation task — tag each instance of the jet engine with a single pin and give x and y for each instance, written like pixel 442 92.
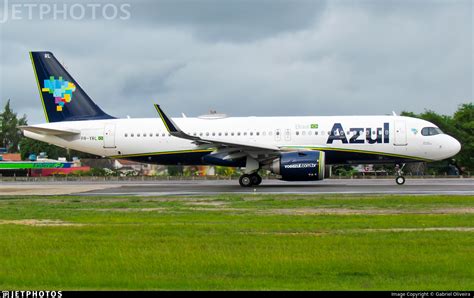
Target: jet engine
pixel 299 166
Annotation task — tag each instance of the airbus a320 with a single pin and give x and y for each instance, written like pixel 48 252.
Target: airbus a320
pixel 294 148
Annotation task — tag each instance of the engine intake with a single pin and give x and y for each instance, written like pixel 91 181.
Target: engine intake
pixel 299 166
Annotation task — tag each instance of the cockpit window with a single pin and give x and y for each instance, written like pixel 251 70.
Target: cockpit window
pixel 431 131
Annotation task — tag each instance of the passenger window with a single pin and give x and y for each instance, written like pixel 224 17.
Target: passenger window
pixel 251 133
pixel 238 133
pixel 126 135
pixel 163 134
pixel 297 133
pixel 226 134
pixel 303 133
pixel 207 134
pixel 316 133
pixel 132 135
pixel 232 134
pixel 138 135
pixel 157 134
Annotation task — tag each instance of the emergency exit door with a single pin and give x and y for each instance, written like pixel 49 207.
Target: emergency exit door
pixel 109 136
pixel 287 134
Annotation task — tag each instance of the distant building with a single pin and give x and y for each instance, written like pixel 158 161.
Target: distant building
pixel 12 165
pixel 10 157
pixel 98 163
pixel 369 170
pixel 130 167
pixel 138 168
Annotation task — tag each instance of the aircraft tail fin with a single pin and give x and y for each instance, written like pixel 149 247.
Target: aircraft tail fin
pixel 63 99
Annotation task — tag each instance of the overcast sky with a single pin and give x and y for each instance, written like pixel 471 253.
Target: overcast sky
pixel 242 57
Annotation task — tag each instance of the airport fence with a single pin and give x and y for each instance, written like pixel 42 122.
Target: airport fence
pixel 99 179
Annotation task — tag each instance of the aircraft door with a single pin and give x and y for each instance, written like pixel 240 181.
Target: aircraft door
pixel 400 133
pixel 277 135
pixel 287 134
pixel 109 136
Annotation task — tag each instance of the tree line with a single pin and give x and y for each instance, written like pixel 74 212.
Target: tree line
pixel 12 139
pixel 460 125
pixel 10 135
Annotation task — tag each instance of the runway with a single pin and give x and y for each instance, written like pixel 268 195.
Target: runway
pixel 453 186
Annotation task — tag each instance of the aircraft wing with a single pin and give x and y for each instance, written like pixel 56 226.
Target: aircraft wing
pixel 175 131
pixel 50 131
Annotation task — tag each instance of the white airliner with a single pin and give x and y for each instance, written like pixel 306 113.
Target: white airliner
pixel 295 148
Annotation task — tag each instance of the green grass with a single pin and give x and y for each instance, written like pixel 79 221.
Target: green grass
pixel 238 242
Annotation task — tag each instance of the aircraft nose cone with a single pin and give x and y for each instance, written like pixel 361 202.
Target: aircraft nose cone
pixel 452 146
pixel 456 146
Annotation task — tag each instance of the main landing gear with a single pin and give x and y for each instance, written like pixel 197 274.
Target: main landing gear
pixel 248 180
pixel 251 176
pixel 399 179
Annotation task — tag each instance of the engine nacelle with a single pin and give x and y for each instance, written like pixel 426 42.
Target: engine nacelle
pixel 299 166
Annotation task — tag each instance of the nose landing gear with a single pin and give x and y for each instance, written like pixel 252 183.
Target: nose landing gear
pixel 399 179
pixel 248 180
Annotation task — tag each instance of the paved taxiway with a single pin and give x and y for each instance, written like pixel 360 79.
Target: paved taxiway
pixel 451 186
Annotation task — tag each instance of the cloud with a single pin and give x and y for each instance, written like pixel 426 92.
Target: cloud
pixel 232 20
pixel 255 58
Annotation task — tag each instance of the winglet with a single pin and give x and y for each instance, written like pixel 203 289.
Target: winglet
pixel 170 126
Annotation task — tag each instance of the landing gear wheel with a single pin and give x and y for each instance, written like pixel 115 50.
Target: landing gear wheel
pixel 245 180
pixel 256 179
pixel 400 180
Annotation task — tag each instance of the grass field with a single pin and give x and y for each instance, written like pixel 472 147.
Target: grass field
pixel 238 242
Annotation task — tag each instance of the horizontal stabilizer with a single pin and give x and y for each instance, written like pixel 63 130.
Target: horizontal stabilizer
pixel 50 131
